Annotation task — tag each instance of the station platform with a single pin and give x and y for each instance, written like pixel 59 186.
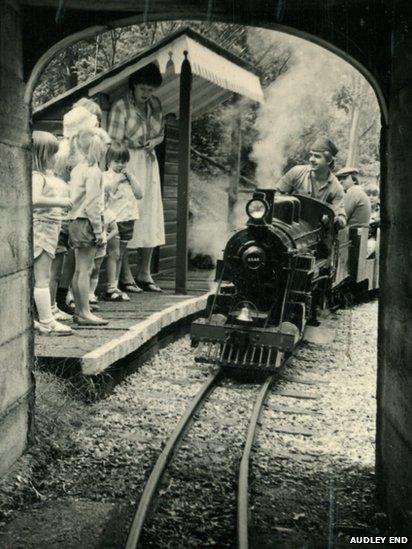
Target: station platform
pixel 134 327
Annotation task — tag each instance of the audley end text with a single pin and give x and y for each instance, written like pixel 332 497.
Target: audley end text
pixel 378 539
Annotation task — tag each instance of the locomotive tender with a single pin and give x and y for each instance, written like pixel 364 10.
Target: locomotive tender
pixel 289 260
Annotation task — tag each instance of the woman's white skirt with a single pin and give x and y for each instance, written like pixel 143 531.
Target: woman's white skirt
pixel 149 229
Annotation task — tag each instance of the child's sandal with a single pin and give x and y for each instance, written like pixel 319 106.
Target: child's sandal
pixel 113 296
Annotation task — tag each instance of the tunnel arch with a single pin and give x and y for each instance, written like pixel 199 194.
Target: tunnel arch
pixel 376 82
pixel 372 36
pixel 92 31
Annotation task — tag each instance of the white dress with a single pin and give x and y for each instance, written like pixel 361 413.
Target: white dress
pixel 149 228
pixel 135 127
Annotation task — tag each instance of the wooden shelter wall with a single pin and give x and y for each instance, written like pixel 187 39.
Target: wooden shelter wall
pixel 16 338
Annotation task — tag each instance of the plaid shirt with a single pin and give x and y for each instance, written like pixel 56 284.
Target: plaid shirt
pixel 129 124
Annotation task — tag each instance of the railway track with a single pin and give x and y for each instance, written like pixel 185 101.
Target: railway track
pixel 174 442
pixel 171 448
pixel 243 478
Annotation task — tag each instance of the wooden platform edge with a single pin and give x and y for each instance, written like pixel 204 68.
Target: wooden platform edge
pixel 101 358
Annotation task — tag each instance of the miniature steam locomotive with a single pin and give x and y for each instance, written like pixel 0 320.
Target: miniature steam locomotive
pixel 286 263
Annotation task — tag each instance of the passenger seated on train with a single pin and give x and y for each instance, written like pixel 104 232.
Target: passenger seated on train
pixel 373 193
pixel 356 202
pixel 316 179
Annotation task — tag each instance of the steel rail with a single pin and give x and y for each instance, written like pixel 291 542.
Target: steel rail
pixel 243 479
pixel 164 459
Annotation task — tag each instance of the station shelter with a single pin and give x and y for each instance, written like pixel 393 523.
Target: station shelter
pixel 198 75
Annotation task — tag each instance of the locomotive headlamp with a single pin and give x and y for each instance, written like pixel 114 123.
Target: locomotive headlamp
pixel 325 220
pixel 257 208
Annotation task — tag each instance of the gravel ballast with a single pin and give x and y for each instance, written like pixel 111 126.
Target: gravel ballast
pixel 104 452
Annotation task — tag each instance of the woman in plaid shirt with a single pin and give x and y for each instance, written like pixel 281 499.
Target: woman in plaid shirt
pixel 137 121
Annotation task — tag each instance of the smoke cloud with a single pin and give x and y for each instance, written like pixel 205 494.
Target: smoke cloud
pixel 208 205
pixel 295 101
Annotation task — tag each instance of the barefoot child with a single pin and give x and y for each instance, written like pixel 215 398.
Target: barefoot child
pixel 86 228
pixel 49 200
pixel 123 191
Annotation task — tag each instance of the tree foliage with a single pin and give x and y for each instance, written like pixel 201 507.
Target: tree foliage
pixel 273 57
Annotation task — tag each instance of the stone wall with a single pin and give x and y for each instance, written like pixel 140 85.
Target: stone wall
pixel 394 428
pixel 16 339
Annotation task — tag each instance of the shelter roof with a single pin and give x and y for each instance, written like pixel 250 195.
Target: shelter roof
pixel 217 74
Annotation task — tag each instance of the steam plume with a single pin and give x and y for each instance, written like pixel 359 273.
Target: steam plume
pixel 294 101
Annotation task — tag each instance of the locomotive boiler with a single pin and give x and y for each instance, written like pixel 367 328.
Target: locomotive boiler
pixel 288 260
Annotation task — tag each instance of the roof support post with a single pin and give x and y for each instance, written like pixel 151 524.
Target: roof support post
pixel 235 158
pixel 183 177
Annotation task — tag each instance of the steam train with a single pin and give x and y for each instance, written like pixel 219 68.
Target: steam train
pixel 289 261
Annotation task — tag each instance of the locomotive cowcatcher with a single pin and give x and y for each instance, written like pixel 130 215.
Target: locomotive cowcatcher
pixel 288 261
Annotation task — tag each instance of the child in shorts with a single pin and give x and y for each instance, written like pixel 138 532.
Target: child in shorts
pixel 49 199
pixel 122 191
pixel 68 156
pixel 86 227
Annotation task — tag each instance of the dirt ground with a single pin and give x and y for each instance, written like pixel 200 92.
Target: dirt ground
pixel 78 485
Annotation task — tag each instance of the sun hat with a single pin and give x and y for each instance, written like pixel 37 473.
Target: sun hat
pixel 78 119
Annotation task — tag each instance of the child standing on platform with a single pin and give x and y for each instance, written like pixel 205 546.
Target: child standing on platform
pixel 62 243
pixel 112 238
pixel 77 119
pixel 123 191
pixel 49 200
pixel 86 228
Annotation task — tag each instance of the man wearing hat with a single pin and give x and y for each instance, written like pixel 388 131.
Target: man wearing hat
pixel 316 179
pixel 356 202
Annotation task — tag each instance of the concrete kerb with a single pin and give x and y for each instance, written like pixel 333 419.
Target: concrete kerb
pixel 99 359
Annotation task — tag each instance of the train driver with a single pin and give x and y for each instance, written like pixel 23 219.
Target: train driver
pixel 356 202
pixel 316 179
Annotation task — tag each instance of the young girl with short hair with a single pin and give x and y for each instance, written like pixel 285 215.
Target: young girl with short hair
pixel 49 200
pixel 123 191
pixel 86 228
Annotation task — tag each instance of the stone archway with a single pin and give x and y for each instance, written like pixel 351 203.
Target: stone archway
pixel 374 39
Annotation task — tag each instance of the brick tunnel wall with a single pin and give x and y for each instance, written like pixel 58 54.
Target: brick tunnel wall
pixel 16 339
pixel 394 426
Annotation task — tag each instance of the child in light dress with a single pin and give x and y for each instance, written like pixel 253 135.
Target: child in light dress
pixel 123 191
pixel 49 200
